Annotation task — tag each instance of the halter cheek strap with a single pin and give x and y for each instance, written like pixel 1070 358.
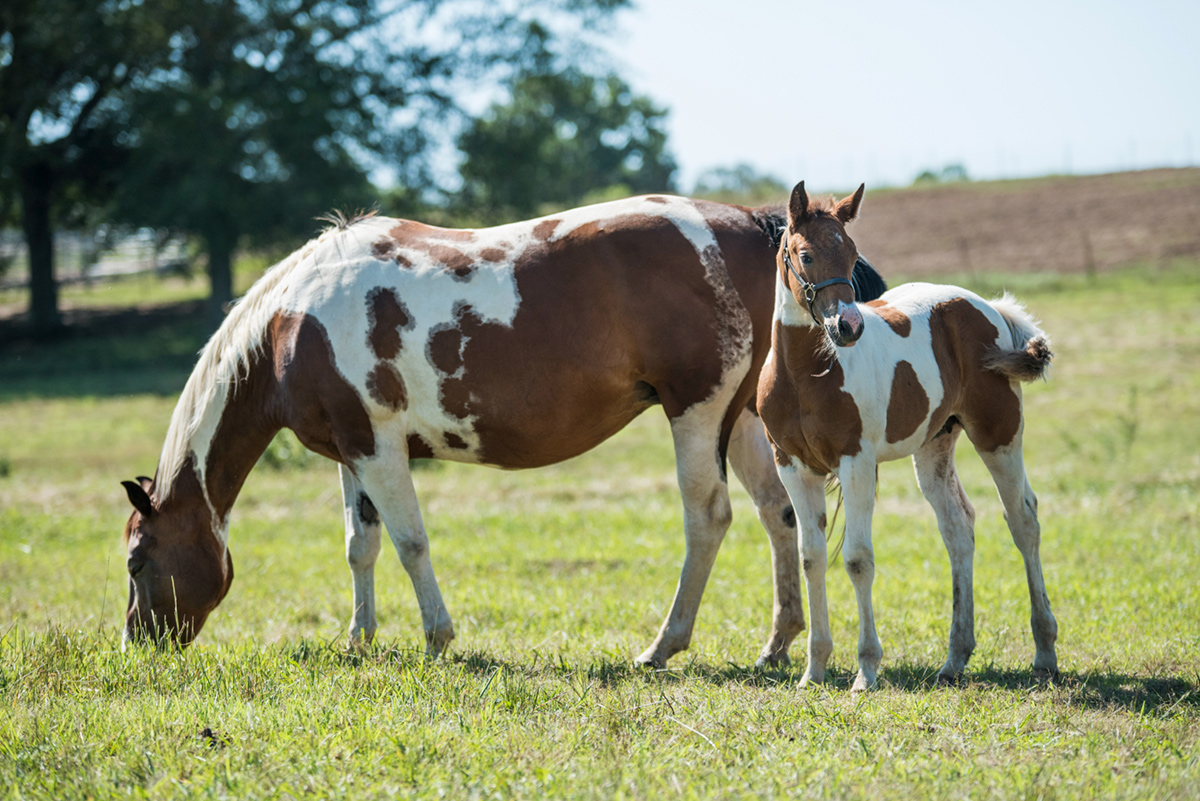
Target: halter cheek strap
pixel 810 289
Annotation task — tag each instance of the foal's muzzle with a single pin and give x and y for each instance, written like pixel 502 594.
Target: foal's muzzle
pixel 846 326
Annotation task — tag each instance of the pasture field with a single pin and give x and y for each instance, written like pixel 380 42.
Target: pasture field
pixel 558 577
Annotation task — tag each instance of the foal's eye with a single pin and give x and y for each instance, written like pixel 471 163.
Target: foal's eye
pixel 805 258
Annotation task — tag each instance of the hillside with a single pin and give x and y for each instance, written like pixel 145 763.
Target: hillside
pixel 1058 224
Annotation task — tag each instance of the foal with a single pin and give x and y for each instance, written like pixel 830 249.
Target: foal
pixel 933 361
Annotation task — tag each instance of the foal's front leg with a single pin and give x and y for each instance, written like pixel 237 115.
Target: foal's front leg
pixel 807 491
pixel 858 476
pixel 362 549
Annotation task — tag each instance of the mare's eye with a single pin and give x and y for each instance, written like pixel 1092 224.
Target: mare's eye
pixel 805 258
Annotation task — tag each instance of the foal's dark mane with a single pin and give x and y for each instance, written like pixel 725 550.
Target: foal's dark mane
pixel 772 221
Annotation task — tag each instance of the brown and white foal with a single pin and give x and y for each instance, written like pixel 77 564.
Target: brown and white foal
pixel 848 385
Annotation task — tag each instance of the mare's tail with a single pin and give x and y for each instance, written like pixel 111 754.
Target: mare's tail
pixel 1028 357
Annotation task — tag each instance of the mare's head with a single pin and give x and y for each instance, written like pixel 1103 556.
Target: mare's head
pixel 816 260
pixel 179 570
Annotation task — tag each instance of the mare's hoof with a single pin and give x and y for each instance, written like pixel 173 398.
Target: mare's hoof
pixel 1047 675
pixel 949 679
pixel 773 660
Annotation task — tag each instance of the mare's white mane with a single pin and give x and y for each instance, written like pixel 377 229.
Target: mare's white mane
pixel 222 362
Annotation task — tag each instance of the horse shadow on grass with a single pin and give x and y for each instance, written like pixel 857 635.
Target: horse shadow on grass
pixel 1092 690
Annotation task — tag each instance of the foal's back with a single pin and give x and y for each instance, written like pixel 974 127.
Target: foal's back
pixel 923 362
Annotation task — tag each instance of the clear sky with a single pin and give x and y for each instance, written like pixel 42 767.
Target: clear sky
pixel 843 92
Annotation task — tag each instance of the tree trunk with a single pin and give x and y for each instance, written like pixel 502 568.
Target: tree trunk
pixel 220 275
pixel 39 238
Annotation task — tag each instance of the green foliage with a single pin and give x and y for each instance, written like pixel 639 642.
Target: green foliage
pixel 741 184
pixel 562 137
pixel 950 174
pixel 557 577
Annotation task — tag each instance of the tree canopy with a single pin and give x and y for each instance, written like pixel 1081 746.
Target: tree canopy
pixel 561 138
pixel 236 119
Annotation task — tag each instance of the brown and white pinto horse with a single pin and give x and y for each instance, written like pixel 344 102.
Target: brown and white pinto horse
pixel 517 346
pixel 930 362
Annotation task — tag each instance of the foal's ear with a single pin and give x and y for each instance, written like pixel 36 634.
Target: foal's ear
pixel 847 209
pixel 138 497
pixel 797 206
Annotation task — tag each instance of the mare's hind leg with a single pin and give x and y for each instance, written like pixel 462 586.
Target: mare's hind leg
pixel 938 480
pixel 706 518
pixel 1007 466
pixel 752 462
pixel 388 482
pixel 362 549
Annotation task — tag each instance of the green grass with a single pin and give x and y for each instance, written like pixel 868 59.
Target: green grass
pixel 558 577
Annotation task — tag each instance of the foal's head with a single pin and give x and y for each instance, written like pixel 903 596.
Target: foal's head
pixel 816 260
pixel 179 570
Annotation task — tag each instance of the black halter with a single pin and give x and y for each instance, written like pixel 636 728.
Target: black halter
pixel 810 289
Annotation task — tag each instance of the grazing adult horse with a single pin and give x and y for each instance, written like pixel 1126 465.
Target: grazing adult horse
pixel 930 362
pixel 517 346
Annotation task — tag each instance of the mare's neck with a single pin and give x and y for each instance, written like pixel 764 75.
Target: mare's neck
pixel 234 431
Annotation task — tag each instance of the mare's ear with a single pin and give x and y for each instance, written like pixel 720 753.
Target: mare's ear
pixel 847 209
pixel 138 497
pixel 145 482
pixel 797 206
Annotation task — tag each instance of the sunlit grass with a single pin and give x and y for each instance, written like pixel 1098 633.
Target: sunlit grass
pixel 558 577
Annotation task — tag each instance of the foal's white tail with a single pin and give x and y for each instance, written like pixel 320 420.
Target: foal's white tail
pixel 1028 357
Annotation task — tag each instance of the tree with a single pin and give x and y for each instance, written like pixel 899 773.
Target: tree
pixel 238 118
pixel 740 183
pixel 61 64
pixel 562 137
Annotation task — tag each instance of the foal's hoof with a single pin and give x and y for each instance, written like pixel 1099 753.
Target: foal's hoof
pixel 1047 675
pixel 864 684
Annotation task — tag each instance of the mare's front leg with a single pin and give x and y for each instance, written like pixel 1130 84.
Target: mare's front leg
pixel 706 517
pixel 858 477
pixel 752 462
pixel 807 491
pixel 388 483
pixel 362 549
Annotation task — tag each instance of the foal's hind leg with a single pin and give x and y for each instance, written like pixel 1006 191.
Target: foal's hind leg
pixel 752 462
pixel 362 549
pixel 388 482
pixel 940 484
pixel 706 518
pixel 1007 466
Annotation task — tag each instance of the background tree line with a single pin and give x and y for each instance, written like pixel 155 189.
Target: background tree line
pixel 236 122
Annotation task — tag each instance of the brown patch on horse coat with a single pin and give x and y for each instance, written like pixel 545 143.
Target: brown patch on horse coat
pixel 986 403
pixel 387 249
pixel 418 448
pixel 386 316
pixel 455 442
pixel 386 387
pixel 634 321
pixel 656 199
pixel 492 254
pixel 907 405
pixel 545 229
pixel 897 319
pixel 320 405
pixel 803 404
pixel 458 263
pixel 445 351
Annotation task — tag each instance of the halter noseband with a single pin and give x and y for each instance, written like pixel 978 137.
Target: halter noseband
pixel 810 289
